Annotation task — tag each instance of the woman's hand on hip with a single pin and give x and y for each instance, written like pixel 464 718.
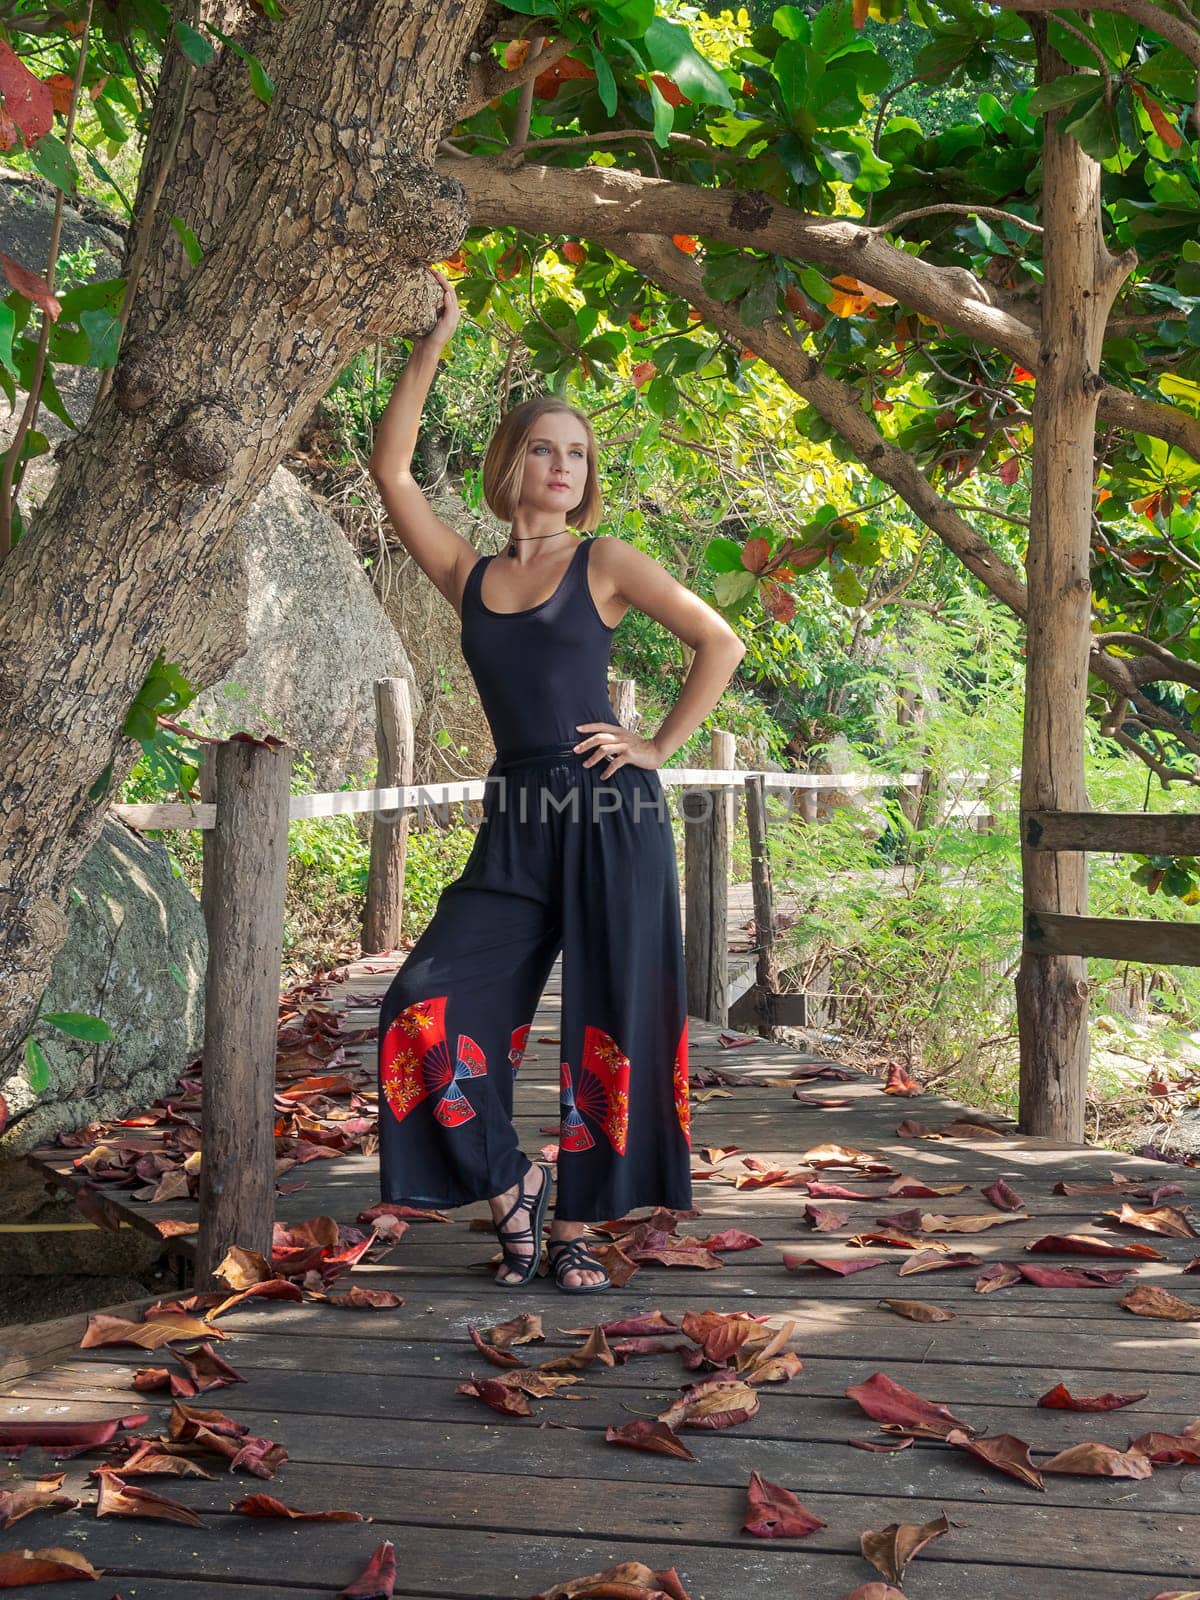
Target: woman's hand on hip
pixel 608 740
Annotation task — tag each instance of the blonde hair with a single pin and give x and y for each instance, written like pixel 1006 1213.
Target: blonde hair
pixel 504 463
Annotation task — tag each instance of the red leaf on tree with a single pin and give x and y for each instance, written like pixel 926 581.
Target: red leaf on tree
pixel 1163 126
pixel 28 283
pixel 1060 1398
pixel 1009 470
pixel 775 1513
pixel 27 100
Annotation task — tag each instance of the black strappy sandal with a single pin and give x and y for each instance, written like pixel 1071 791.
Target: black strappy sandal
pixel 526 1266
pixel 573 1255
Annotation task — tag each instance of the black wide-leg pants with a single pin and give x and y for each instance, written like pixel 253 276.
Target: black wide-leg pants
pixel 563 861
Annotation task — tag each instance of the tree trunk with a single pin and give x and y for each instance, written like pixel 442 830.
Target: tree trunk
pixel 1081 281
pixel 316 215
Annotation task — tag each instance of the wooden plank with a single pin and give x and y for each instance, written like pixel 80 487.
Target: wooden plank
pixel 1140 833
pixel 273 1399
pixel 429 1347
pixel 31 1346
pixel 1169 944
pixel 697 1514
pixel 451 1562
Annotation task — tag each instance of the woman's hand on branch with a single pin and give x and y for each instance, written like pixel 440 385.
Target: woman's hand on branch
pixel 608 740
pixel 443 329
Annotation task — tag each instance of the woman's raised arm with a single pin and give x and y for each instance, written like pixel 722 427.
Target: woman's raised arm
pixel 439 550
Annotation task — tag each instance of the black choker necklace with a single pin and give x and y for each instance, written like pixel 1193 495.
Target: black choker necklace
pixel 515 539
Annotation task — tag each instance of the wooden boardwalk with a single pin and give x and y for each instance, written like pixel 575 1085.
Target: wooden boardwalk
pixel 480 1505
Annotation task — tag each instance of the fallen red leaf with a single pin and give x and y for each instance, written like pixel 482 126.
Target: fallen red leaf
pixel 117 1498
pixel 890 1549
pixel 842 1265
pixel 731 1239
pixel 720 1402
pixel 628 1581
pixel 655 1437
pixel 1002 1451
pixel 1147 1300
pixel 1167 1220
pixel 1003 1197
pixel 918 1311
pixel 650 1322
pixel 928 1260
pixel 932 1223
pixel 595 1348
pixel 378 1580
pixel 1090 1244
pixel 899 1081
pixel 62 1436
pixel 358 1298
pixel 819 1189
pixel 265 1505
pixel 103 1329
pixel 891 1404
pixel 826 1219
pixel 525 1329
pixel 775 1513
pixel 21 1567
pixel 903 1188
pixel 1093 1460
pixel 719 1333
pixel 875 1591
pixel 493 1353
pixel 508 1401
pixel 41 1494
pixel 1060 1398
pixel 1072 1277
pixel 1168 1449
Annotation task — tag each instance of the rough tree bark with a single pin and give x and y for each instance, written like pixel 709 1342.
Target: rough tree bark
pixel 1081 280
pixel 316 214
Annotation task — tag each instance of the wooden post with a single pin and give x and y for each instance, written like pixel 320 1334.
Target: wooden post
pixel 767 975
pixel 383 913
pixel 1081 280
pixel 804 805
pixel 708 827
pixel 245 877
pixel 622 693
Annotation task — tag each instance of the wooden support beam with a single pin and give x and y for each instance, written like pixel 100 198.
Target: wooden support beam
pixel 383 913
pixel 767 963
pixel 1164 944
pixel 245 877
pixel 1138 833
pixel 707 833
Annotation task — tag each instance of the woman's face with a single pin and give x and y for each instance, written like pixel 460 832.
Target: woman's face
pixel 556 464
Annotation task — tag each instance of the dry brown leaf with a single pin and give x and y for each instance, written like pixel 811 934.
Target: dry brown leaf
pixel 525 1329
pixel 1168 1220
pixel 918 1311
pixel 41 1494
pixel 1004 1452
pixel 1099 1461
pixel 596 1348
pixel 890 1549
pixel 117 1498
pixel 932 1223
pixel 1147 1300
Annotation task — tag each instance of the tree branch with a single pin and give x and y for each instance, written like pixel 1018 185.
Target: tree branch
pixel 949 209
pixel 488 79
pixel 608 203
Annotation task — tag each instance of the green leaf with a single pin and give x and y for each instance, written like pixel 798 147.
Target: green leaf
pixel 670 49
pixel 761 301
pixel 725 277
pixel 53 160
pixel 1096 131
pixel 79 1025
pixel 791 23
pixel 261 84
pixel 104 337
pixel 730 587
pixel 846 587
pixel 724 555
pixel 194 45
pixel 1064 92
pixel 664 115
pixel 37 1068
pixel 7 323
pixel 606 83
pixel 791 74
pixel 188 240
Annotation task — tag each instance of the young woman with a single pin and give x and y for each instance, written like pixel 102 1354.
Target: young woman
pixel 574 854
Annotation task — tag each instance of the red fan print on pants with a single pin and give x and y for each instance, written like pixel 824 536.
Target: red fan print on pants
pixel 415 1062
pixel 601 1094
pixel 516 1048
pixel 682 1103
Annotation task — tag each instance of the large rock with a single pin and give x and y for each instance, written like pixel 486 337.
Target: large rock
pixel 288 614
pixel 135 955
pixel 317 639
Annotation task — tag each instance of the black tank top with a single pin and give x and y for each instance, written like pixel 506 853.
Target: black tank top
pixel 541 670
